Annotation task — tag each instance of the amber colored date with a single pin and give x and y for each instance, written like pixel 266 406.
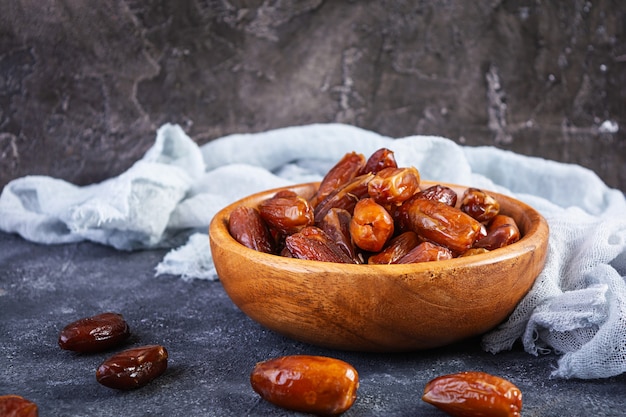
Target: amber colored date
pixel 468 394
pixel 440 223
pixel 345 197
pixel 473 251
pixel 395 249
pixel 502 231
pixel 313 244
pixel 479 204
pixel 336 224
pixel 380 159
pixel 248 228
pixel 426 252
pixel 340 174
pixel 440 193
pixel 309 384
pixel 17 406
pixel 94 334
pixel 371 225
pixel 394 185
pixel 133 368
pixel 286 212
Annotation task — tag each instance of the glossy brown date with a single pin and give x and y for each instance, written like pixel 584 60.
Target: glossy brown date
pixel 340 174
pixel 502 231
pixel 286 212
pixel 17 406
pixel 133 368
pixel 309 384
pixel 440 223
pixel 248 228
pixel 345 197
pixel 371 225
pixel 313 244
pixel 426 252
pixel 473 251
pixel 467 394
pixel 479 204
pixel 394 185
pixel 441 193
pixel 395 249
pixel 94 334
pixel 380 159
pixel 336 224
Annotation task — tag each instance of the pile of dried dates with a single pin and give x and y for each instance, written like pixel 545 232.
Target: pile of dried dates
pixel 372 211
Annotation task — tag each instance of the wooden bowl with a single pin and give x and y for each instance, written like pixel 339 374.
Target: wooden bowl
pixel 380 308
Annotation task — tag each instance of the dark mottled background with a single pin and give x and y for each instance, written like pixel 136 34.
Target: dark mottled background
pixel 84 85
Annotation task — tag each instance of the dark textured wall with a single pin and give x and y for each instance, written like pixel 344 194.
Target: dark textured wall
pixel 84 85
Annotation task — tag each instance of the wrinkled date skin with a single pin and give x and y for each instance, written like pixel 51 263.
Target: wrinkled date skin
pixel 345 197
pixel 248 228
pixel 394 185
pixel 468 394
pixel 309 384
pixel 94 334
pixel 440 223
pixel 133 368
pixel 439 193
pixel 343 172
pixel 473 251
pixel 313 244
pixel 379 160
pixel 479 205
pixel 502 231
pixel 16 406
pixel 336 224
pixel 286 212
pixel 371 225
pixel 396 249
pixel 426 252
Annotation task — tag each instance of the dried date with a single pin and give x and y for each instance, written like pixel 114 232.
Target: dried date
pixel 440 223
pixel 336 224
pixel 133 368
pixel 395 249
pixel 441 193
pixel 309 384
pixel 313 244
pixel 479 204
pixel 502 231
pixel 17 406
pixel 371 225
pixel 340 174
pixel 380 159
pixel 286 212
pixel 345 197
pixel 94 334
pixel 394 185
pixel 473 251
pixel 248 228
pixel 426 252
pixel 466 394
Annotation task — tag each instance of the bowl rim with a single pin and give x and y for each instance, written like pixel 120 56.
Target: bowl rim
pixel 530 240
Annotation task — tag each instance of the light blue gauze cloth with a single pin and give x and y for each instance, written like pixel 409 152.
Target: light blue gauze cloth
pixel 577 306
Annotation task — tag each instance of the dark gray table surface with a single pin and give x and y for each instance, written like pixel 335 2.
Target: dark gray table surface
pixel 213 346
